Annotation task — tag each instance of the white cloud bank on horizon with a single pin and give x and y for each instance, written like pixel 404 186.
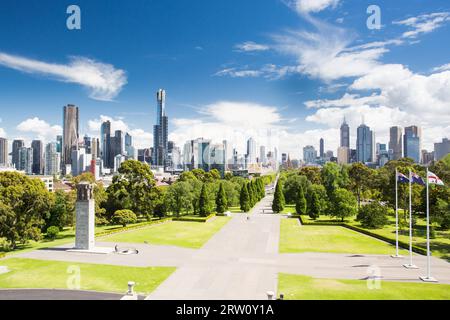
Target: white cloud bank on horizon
pixel 38 129
pixel 103 81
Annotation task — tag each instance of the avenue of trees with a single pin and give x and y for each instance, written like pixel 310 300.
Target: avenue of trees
pixel 28 211
pixel 357 190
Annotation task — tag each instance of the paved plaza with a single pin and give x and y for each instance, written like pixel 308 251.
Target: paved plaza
pixel 241 261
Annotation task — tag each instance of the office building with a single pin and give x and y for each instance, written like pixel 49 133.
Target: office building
pixel 160 131
pixel 441 149
pixel 365 144
pixel 322 149
pixel 251 151
pixel 25 160
pixel 412 143
pixel 309 155
pixel 345 134
pixel 343 156
pixel 70 132
pixel 16 145
pixel 396 143
pixel 3 152
pixel 52 159
pixel 38 157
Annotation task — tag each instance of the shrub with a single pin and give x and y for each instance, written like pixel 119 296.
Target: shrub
pixel 124 217
pixel 372 216
pixel 52 232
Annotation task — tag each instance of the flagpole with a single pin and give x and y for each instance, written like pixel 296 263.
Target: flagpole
pixel 428 278
pixel 396 215
pixel 410 265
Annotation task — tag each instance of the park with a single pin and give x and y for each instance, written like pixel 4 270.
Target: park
pixel 220 239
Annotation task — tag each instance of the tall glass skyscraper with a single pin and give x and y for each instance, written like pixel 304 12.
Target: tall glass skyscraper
pixel 3 152
pixel 105 142
pixel 16 145
pixel 38 157
pixel 396 143
pixel 345 135
pixel 365 144
pixel 70 132
pixel 412 143
pixel 160 131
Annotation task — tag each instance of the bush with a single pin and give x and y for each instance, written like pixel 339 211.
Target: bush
pixel 52 232
pixel 124 217
pixel 372 216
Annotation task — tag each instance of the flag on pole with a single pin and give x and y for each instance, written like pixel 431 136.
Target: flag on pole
pixel 434 179
pixel 415 178
pixel 402 178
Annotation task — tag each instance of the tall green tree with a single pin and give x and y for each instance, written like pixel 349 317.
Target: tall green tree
pixel 221 200
pixel 178 197
pixel 300 205
pixel 204 202
pixel 360 176
pixel 278 199
pixel 245 198
pixel 24 202
pixel 314 208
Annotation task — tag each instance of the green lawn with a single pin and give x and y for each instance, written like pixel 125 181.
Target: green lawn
pixel 295 238
pixel 440 246
pixel 298 287
pixel 30 273
pixel 289 208
pixel 176 233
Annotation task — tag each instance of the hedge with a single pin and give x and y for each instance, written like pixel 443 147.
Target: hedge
pixel 2 255
pixel 401 244
pixel 194 219
pixel 135 226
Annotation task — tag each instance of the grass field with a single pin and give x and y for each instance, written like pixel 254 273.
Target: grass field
pixel 335 239
pixel 30 273
pixel 297 287
pixel 440 245
pixel 176 233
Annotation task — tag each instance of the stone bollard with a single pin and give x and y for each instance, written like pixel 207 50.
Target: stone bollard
pixel 270 295
pixel 130 295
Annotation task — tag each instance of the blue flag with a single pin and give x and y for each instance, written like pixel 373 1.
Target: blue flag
pixel 402 178
pixel 417 179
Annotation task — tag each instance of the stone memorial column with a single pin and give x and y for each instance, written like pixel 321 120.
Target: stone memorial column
pixel 85 217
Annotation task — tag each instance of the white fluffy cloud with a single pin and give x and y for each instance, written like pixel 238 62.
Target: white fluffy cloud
pixel 35 128
pixel 250 46
pixel 2 133
pixel 236 73
pixel 141 138
pixel 307 6
pixel 103 81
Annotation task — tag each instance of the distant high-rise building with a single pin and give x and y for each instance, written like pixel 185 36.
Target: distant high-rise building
pixel 26 160
pixel 117 146
pixel 87 142
pixel 105 144
pixel 16 145
pixel 129 149
pixel 441 149
pixel 262 155
pixel 343 155
pixel 251 151
pixel 309 155
pixel 160 130
pixel 59 143
pixel 144 155
pixel 218 158
pixel 95 148
pixel 412 143
pixel 345 134
pixel 427 157
pixel 396 142
pixel 3 152
pixel 52 159
pixel 365 144
pixel 70 132
pixel 38 157
pixel 322 148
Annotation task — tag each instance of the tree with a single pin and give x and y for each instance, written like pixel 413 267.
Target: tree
pixel 221 200
pixel 372 216
pixel 245 198
pixel 179 197
pixel 62 210
pixel 360 175
pixel 313 174
pixel 300 205
pixel 314 209
pixel 24 202
pixel 332 178
pixel 291 186
pixel 124 217
pixel 204 202
pixel 345 204
pixel 278 200
pixel 132 189
pixel 52 232
pixel 316 200
pixel 442 214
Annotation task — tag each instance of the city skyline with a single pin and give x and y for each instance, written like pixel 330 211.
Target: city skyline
pixel 251 74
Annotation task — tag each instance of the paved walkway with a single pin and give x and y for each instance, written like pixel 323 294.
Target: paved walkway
pixel 241 261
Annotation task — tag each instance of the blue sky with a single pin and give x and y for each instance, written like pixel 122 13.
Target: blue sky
pixel 231 69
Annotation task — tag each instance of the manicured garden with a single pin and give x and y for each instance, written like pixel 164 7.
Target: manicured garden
pixel 295 238
pixel 299 287
pixel 175 233
pixel 30 273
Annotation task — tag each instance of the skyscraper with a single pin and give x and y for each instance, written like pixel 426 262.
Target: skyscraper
pixel 251 151
pixel 95 147
pixel 345 135
pixel 38 157
pixel 365 144
pixel 160 130
pixel 262 155
pixel 70 132
pixel 396 143
pixel 129 149
pixel 117 146
pixel 322 147
pixel 16 145
pixel 412 143
pixel 25 160
pixel 105 141
pixel 441 149
pixel 52 159
pixel 309 155
pixel 3 152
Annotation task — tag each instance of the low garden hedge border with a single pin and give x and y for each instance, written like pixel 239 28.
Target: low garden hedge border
pixel 136 226
pixel 2 255
pixel 194 219
pixel 401 244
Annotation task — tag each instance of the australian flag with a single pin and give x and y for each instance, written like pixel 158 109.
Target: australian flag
pixel 402 178
pixel 415 178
